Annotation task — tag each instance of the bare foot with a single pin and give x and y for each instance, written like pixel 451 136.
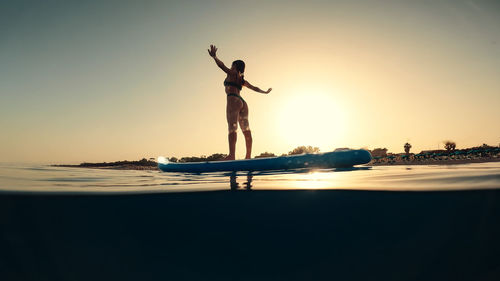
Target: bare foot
pixel 229 157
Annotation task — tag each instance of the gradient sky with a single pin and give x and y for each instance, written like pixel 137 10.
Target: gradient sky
pixel 114 80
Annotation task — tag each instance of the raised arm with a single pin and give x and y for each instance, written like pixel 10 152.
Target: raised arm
pixel 257 89
pixel 212 52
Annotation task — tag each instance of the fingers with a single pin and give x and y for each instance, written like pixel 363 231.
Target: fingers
pixel 212 50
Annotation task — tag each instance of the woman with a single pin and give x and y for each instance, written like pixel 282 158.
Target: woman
pixel 237 108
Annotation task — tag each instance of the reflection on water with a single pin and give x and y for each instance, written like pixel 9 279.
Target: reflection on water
pixel 58 179
pixel 234 185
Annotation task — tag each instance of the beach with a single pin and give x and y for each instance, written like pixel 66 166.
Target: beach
pixel 252 235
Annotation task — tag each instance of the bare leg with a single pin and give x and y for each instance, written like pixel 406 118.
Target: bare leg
pixel 232 145
pixel 248 142
pixel 245 127
pixel 233 108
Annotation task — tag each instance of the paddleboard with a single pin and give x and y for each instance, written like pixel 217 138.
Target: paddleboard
pixel 335 159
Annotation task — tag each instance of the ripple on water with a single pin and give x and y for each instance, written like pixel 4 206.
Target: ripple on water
pixel 76 179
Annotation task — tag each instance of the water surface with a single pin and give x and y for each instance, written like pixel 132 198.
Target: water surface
pixel 43 178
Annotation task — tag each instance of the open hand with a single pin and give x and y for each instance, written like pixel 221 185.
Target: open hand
pixel 268 90
pixel 212 51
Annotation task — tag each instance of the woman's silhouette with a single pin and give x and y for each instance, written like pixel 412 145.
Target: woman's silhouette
pixel 237 108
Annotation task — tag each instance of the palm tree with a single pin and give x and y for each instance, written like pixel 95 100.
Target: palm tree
pixel 407 148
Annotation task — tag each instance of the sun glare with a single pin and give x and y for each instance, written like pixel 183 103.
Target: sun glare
pixel 316 180
pixel 312 118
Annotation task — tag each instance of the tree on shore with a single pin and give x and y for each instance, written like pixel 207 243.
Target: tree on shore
pixel 407 148
pixel 203 158
pixel 216 157
pixel 379 152
pixel 265 155
pixel 450 145
pixel 142 162
pixel 304 149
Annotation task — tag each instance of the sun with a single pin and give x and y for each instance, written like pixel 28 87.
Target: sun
pixel 312 118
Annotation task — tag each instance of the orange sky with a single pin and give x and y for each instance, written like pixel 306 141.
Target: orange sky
pixel 99 82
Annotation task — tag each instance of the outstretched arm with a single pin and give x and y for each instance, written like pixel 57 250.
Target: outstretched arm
pixel 212 52
pixel 257 89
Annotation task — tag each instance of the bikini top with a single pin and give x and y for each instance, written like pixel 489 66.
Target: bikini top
pixel 234 84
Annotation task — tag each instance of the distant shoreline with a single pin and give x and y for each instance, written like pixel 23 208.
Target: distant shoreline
pixel 435 162
pixel 142 164
pixel 153 166
pixel 118 167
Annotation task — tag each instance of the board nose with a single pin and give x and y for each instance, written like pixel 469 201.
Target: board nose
pixel 364 156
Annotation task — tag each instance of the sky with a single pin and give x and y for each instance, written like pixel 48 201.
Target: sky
pixel 90 81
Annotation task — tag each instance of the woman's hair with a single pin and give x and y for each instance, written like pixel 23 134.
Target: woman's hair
pixel 240 66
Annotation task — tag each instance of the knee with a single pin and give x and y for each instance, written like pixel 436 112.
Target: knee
pixel 245 126
pixel 232 127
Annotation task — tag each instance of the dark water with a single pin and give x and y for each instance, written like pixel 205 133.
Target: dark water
pixel 358 224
